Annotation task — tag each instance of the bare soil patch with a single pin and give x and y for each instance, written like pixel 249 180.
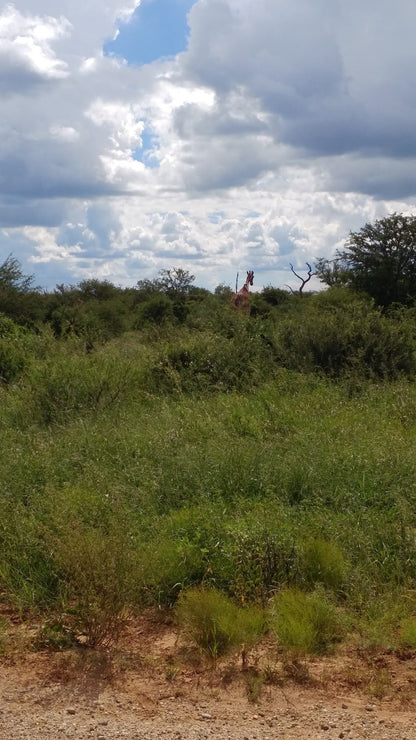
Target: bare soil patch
pixel 153 685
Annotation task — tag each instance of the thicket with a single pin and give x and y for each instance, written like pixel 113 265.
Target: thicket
pixel 160 448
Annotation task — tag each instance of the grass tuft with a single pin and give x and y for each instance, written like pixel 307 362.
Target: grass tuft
pixel 307 623
pixel 214 622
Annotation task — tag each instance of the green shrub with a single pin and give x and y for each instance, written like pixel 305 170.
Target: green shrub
pixel 275 296
pixel 12 361
pixel 53 634
pixel 340 332
pixel 407 634
pixel 209 362
pixel 215 623
pixel 323 562
pixel 254 685
pixel 378 626
pixel 94 547
pixel 70 383
pixel 9 329
pixel 28 573
pixel 100 573
pixel 172 564
pixel 13 352
pixel 156 310
pixel 305 623
pixel 260 561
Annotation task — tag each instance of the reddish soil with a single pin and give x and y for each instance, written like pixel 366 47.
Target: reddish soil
pixel 153 685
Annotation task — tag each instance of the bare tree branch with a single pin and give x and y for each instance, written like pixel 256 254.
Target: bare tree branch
pixel 303 280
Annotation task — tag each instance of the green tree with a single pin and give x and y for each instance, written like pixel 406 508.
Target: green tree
pixel 175 283
pixel 379 259
pixel 156 310
pixel 101 290
pixel 224 291
pixel 19 299
pixel 331 272
pixel 12 277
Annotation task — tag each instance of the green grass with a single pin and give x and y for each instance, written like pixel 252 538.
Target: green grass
pixel 306 623
pixel 114 484
pixel 216 624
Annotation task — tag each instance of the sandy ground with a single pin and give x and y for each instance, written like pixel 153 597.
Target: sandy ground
pixel 152 686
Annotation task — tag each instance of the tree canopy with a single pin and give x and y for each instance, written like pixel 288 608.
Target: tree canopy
pixel 379 259
pixel 12 277
pixel 175 282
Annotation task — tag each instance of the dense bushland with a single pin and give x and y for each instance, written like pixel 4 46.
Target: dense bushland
pixel 167 448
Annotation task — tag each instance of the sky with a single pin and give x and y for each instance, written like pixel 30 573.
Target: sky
pixel 218 136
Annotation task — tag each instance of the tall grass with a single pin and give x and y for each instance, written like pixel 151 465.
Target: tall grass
pixel 146 467
pixel 216 624
pixel 306 623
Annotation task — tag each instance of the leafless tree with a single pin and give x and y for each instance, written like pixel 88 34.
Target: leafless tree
pixel 303 280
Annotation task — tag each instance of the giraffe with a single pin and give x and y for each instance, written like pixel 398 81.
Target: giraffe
pixel 241 298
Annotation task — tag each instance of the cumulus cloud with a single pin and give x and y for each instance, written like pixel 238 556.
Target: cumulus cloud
pixel 26 50
pixel 282 126
pixel 330 80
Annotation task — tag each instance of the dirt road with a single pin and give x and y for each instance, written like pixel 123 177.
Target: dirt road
pixel 151 687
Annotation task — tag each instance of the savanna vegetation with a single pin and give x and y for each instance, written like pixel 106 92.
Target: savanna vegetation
pixel 247 473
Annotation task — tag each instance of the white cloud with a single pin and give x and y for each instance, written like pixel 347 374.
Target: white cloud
pixel 284 125
pixel 124 128
pixel 26 53
pixel 64 133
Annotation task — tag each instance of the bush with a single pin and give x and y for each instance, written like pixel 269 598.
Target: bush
pixel 323 562
pixel 215 623
pixel 306 623
pixel 69 383
pixel 12 349
pixel 172 565
pixel 27 570
pixel 156 310
pixel 210 362
pixel 341 333
pixel 260 562
pixel 101 573
pixel 407 635
pixel 12 361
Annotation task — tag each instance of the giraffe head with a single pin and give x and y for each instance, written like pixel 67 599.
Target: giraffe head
pixel 250 276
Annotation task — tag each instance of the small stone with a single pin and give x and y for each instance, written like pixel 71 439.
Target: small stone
pixel 206 715
pixel 344 706
pixel 369 708
pixel 324 726
pixel 71 710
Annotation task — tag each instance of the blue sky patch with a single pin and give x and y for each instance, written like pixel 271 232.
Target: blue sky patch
pixel 146 153
pixel 158 28
pixel 216 216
